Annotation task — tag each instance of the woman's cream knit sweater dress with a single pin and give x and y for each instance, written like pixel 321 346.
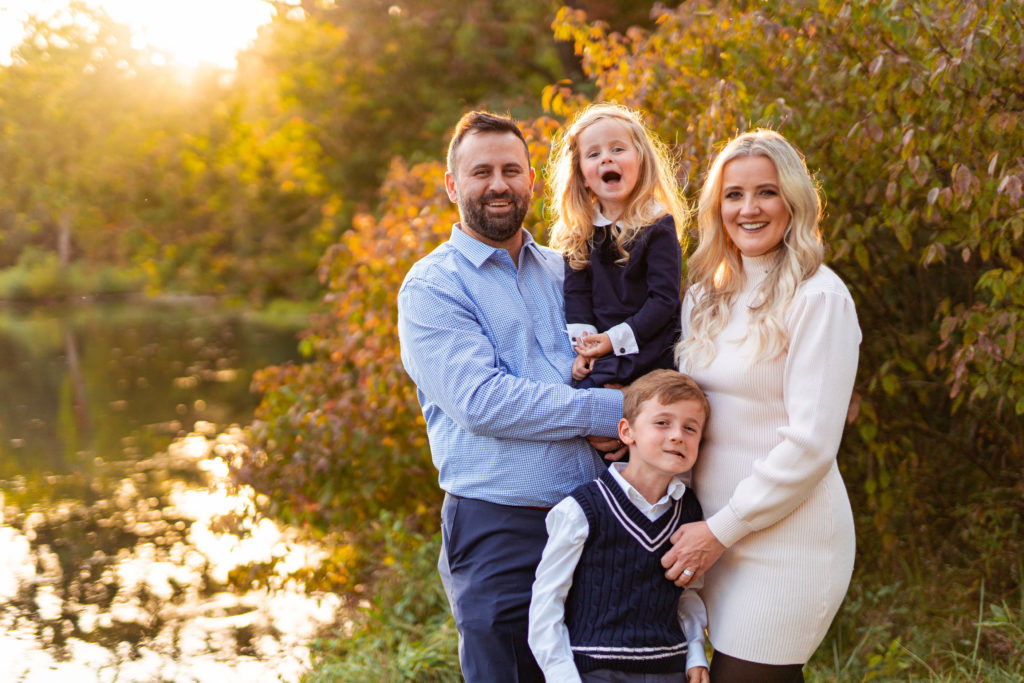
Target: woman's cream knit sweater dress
pixel 767 476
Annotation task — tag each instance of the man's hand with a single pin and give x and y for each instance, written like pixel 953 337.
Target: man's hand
pixel 581 367
pixel 593 345
pixel 694 549
pixel 697 674
pixel 611 448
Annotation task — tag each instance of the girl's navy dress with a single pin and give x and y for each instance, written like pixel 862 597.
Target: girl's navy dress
pixel 644 292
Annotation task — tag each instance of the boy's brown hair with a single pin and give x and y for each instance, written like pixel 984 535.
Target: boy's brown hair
pixel 668 386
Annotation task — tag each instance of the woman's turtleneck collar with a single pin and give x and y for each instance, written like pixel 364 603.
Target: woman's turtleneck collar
pixel 756 268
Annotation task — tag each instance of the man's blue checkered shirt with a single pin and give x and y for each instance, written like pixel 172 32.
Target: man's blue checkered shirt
pixel 485 344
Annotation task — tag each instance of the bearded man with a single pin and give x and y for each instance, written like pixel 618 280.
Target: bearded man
pixel 482 332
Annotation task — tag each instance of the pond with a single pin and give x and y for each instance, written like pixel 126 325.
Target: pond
pixel 126 554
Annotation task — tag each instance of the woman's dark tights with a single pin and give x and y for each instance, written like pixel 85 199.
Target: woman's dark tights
pixel 727 669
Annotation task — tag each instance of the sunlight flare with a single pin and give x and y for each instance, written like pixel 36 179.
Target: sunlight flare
pixel 189 33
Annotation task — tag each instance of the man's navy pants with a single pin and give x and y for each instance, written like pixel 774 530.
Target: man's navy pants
pixel 489 556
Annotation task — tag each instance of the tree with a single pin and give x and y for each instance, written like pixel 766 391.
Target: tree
pixel 378 79
pixel 66 100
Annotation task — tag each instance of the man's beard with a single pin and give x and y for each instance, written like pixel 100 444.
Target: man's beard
pixel 495 228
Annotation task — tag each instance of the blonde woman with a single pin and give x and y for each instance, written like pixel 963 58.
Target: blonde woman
pixel 771 334
pixel 618 215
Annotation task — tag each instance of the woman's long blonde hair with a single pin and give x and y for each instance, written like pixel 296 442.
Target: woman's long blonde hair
pixel 716 268
pixel 573 205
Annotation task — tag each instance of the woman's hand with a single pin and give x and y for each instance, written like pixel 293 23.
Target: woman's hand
pixel 694 550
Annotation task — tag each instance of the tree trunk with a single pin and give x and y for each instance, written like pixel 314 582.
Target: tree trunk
pixel 64 237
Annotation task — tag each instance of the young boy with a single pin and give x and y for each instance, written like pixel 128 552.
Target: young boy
pixel 602 609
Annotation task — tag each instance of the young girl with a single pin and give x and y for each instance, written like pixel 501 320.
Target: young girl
pixel 618 218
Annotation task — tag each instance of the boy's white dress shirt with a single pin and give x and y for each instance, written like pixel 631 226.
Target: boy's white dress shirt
pixel 567 532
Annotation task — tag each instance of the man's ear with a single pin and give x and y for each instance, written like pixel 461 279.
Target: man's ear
pixel 449 186
pixel 625 433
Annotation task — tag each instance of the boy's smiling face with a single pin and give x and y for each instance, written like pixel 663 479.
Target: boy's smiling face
pixel 664 439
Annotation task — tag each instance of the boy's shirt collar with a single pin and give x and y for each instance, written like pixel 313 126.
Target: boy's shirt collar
pixel 676 487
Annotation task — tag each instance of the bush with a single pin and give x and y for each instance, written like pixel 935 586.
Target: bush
pixel 405 632
pixel 910 113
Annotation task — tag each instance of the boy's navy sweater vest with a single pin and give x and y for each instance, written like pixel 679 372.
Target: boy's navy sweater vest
pixel 621 611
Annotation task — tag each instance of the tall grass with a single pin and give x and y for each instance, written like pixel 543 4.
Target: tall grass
pixel 403 630
pixel 895 625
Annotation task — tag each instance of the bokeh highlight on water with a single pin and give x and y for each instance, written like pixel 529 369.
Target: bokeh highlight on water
pixel 126 551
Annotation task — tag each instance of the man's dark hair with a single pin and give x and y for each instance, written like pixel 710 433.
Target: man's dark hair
pixel 482 122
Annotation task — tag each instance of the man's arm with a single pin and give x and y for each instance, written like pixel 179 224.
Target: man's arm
pixel 454 364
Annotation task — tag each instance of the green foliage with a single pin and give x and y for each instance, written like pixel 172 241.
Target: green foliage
pixel 378 79
pixel 235 183
pixel 910 113
pixel 234 203
pixel 65 109
pixel 109 160
pixel 405 631
pixel 39 275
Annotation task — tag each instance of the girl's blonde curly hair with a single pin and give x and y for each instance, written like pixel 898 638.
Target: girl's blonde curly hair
pixel 573 205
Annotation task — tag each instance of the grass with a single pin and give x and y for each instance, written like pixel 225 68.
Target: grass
pixel 403 631
pixel 894 625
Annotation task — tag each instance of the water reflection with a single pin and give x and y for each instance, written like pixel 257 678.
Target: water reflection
pixel 125 553
pixel 143 585
pixel 79 382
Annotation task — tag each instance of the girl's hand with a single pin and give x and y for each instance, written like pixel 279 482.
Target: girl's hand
pixel 694 550
pixel 594 345
pixel 697 674
pixel 581 367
